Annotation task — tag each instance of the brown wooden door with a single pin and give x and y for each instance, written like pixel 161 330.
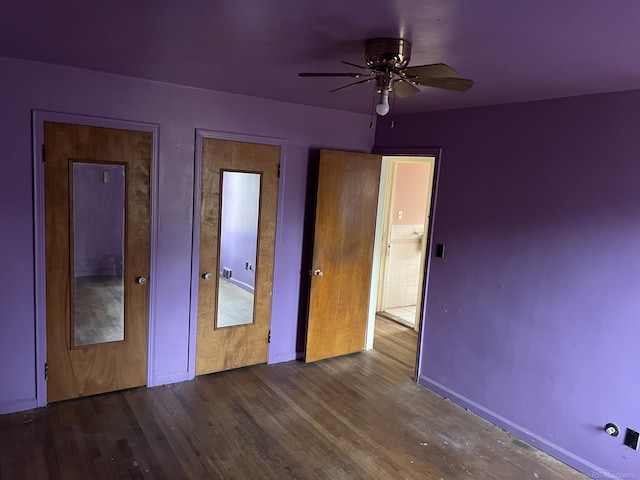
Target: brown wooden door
pixel 97 236
pixel 234 333
pixel 345 221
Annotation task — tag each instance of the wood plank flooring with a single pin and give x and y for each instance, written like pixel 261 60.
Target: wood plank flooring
pixel 397 342
pixel 355 417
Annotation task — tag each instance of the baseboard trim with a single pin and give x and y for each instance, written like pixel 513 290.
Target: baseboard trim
pixel 18 405
pixel 281 357
pixel 244 286
pixel 176 377
pixel 518 431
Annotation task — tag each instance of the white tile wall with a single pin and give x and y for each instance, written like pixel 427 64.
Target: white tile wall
pixel 401 287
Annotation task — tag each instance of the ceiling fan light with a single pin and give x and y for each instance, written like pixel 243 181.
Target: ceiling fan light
pixel 383 107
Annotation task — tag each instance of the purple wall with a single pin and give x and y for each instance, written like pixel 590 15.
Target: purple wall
pixel 239 226
pixel 532 318
pixel 98 211
pixel 179 111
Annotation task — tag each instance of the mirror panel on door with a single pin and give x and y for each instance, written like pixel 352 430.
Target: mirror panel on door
pixel 97 263
pixel 239 212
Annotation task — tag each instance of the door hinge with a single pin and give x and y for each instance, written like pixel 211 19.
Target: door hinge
pixel 269 337
pixel 278 170
pixel 44 153
pixel 46 371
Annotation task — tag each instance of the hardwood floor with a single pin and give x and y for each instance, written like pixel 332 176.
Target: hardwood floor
pixel 397 342
pixel 355 417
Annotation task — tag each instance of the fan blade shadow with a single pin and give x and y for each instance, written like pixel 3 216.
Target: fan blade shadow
pixel 346 74
pixel 448 83
pixel 354 65
pixel 352 84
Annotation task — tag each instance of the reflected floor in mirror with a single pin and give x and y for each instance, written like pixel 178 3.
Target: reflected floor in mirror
pixel 235 305
pixel 99 312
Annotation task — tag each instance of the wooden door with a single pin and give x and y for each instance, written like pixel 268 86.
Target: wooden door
pixel 222 344
pixel 97 235
pixel 346 205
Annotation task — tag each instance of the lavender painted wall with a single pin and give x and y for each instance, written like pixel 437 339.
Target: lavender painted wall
pixel 532 318
pixel 179 111
pixel 239 226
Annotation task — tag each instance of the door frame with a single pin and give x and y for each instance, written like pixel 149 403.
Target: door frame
pixel 201 134
pixel 435 152
pixel 38 118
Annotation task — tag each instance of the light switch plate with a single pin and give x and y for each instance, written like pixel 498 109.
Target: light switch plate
pixel 631 439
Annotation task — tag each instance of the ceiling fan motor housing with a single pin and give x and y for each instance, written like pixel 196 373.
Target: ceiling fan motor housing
pixel 387 62
pixel 387 53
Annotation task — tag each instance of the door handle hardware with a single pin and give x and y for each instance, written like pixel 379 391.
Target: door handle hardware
pixel 141 280
pixel 206 276
pixel 316 273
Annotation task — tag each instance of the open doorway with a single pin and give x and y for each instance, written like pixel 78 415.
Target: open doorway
pixel 399 261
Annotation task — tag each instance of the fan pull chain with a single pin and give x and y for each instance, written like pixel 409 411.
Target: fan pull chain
pixel 393 106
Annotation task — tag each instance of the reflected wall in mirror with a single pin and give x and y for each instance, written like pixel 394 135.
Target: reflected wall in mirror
pixel 239 211
pixel 97 234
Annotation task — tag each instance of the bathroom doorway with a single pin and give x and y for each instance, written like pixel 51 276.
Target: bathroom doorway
pixel 407 203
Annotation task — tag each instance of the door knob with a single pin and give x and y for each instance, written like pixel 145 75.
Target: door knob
pixel 317 273
pixel 141 280
pixel 206 275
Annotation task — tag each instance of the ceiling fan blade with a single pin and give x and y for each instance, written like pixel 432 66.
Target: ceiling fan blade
pixel 347 74
pixel 404 88
pixel 448 83
pixel 423 72
pixel 354 65
pixel 352 84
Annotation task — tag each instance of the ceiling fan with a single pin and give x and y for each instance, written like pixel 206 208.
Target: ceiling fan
pixel 387 61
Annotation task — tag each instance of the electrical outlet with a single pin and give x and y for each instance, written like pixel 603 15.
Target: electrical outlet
pixel 399 214
pixel 631 439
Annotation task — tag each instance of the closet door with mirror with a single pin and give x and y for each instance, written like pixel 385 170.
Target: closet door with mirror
pixel 97 236
pixel 239 195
